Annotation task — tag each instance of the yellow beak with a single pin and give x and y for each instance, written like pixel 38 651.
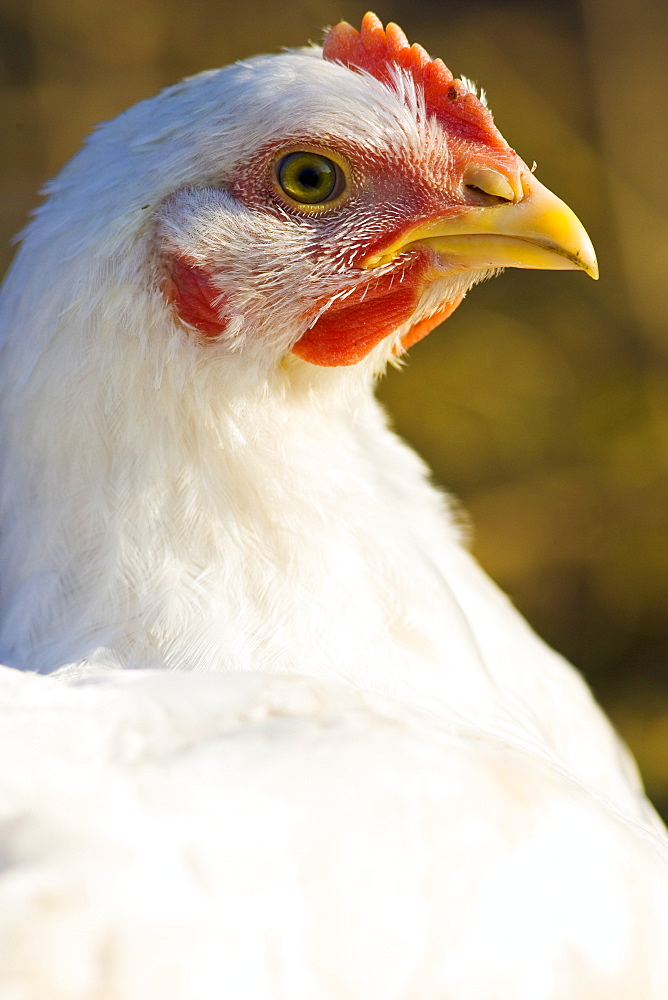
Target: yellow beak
pixel 537 231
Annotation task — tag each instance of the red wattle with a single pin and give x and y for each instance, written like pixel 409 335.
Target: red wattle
pixel 347 331
pixel 425 326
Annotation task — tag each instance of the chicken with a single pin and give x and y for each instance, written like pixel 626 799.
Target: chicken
pixel 293 741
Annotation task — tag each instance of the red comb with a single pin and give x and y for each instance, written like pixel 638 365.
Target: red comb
pixel 381 51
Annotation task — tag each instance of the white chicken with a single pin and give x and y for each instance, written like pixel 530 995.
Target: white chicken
pixel 347 769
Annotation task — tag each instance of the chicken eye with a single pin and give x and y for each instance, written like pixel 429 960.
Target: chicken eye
pixel 309 178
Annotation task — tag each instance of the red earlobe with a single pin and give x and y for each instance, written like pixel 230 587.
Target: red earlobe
pixel 196 300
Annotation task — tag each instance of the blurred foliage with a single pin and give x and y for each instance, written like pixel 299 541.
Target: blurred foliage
pixel 542 403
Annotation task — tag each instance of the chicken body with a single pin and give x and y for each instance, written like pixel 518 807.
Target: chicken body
pixel 197 477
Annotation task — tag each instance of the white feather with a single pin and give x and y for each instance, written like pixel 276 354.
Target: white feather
pixel 432 805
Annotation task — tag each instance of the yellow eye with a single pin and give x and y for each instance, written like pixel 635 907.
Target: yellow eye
pixel 310 178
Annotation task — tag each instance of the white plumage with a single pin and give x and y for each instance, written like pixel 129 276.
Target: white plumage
pixel 361 774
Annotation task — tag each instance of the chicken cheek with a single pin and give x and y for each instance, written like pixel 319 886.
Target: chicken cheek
pixel 344 334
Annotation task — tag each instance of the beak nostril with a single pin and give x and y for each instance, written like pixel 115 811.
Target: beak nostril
pixel 483 197
pixel 490 184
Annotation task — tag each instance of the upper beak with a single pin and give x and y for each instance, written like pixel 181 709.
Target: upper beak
pixel 538 230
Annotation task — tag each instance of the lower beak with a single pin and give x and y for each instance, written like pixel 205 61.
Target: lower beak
pixel 538 231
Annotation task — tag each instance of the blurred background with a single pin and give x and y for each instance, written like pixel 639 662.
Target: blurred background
pixel 543 403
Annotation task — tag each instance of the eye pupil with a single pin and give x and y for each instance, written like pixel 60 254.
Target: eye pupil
pixel 309 178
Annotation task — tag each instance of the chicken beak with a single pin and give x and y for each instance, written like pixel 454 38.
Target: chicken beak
pixel 537 231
